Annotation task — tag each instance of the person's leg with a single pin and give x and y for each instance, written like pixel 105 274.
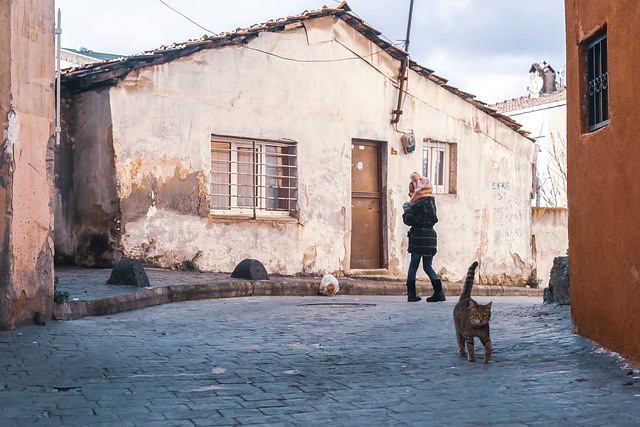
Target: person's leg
pixel 412 296
pixel 438 291
pixel 413 266
pixel 427 265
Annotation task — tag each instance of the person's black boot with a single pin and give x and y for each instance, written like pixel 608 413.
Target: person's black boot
pixel 438 292
pixel 411 291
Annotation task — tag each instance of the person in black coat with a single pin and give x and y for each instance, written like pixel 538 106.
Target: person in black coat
pixel 420 214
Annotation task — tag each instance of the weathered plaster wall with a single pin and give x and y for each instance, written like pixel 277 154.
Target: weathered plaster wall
pixel 163 117
pixel 86 203
pixel 26 115
pixel 549 233
pixel 5 107
pixel 604 182
pixel 548 125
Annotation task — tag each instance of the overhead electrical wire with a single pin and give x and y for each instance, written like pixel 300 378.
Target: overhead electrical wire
pixel 320 61
pixel 382 36
pixel 189 19
pixel 313 60
pixel 284 57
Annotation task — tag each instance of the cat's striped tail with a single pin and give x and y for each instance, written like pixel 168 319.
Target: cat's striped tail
pixel 468 283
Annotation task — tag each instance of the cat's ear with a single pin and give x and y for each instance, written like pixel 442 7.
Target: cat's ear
pixel 489 304
pixel 473 304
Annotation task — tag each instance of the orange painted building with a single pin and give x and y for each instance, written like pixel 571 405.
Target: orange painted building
pixel 26 127
pixel 603 163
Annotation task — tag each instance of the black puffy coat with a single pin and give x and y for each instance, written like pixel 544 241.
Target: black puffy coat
pixel 421 217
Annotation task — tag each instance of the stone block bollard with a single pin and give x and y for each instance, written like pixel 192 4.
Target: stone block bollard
pixel 250 269
pixel 129 272
pixel 558 290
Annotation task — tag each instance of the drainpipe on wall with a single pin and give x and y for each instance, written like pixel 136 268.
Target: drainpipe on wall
pixel 58 33
pixel 402 78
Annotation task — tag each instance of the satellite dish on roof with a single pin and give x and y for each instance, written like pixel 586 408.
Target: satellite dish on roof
pixel 536 85
pixel 562 75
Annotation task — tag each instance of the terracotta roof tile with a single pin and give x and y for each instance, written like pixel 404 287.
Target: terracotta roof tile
pixel 525 102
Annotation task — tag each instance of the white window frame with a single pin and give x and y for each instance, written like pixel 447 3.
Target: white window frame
pixel 265 179
pixel 437 167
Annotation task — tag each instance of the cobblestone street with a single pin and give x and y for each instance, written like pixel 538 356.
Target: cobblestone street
pixel 345 360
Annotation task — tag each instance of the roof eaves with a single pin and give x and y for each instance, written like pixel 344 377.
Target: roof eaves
pixel 176 50
pixel 109 72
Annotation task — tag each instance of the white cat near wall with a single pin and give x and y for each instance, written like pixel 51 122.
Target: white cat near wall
pixel 329 285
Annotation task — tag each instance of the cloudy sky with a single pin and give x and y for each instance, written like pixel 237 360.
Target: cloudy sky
pixel 484 47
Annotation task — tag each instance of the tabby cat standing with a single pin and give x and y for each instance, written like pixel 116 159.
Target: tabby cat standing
pixel 472 320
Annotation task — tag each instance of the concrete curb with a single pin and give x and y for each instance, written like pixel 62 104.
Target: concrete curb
pixel 149 297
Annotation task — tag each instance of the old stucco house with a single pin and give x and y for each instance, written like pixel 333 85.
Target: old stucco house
pixel 290 142
pixel 544 114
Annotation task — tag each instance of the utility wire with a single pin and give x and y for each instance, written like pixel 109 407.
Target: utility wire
pixel 397 44
pixel 313 60
pixel 189 19
pixel 278 56
pixel 283 57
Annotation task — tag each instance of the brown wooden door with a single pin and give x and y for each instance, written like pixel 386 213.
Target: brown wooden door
pixel 366 206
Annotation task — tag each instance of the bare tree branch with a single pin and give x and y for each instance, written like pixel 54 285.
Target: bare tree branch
pixel 552 179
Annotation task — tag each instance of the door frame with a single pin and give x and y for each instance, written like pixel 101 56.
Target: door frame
pixel 383 159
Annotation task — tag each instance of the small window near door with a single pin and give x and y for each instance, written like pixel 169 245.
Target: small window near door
pixel 597 86
pixel 439 164
pixel 253 177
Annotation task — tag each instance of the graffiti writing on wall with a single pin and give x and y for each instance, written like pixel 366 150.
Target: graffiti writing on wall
pixel 329 155
pixel 165 126
pixel 507 212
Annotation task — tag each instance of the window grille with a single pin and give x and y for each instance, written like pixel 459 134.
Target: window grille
pixel 597 83
pixel 252 176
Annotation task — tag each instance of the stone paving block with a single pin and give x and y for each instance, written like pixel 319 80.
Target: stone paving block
pixel 74 402
pixel 214 421
pixel 181 411
pixel 270 421
pixel 240 412
pixel 39 421
pixel 323 415
pixel 131 409
pixel 413 415
pixel 168 423
pixel 75 417
pixel 221 422
pixel 286 409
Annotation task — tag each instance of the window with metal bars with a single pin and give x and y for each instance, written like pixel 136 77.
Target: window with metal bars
pixel 252 177
pixel 597 82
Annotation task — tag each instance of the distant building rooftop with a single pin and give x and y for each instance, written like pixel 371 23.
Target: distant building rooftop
pixel 525 102
pixel 82 56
